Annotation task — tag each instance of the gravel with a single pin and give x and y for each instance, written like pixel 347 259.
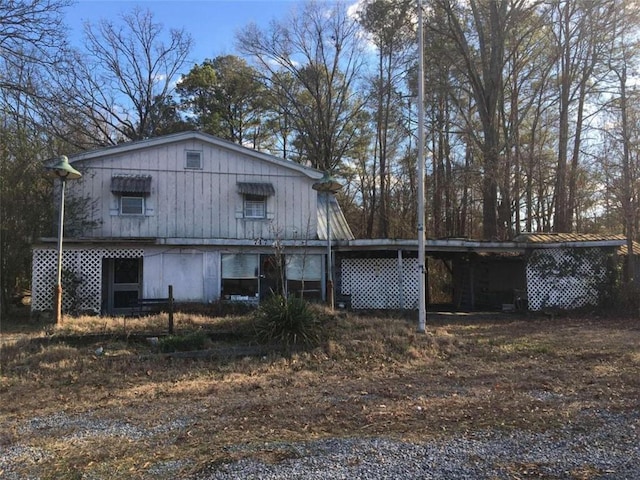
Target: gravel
pixel 598 445
pixel 610 450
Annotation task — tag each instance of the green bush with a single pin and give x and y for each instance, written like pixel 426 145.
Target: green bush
pixel 184 343
pixel 289 322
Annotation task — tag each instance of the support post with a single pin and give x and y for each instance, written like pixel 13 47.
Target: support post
pixel 330 293
pixel 58 290
pixel 170 309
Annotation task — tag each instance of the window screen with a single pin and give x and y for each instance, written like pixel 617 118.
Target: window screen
pixel 131 205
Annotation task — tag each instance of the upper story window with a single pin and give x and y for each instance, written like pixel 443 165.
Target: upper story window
pixel 255 206
pixel 255 197
pixel 132 191
pixel 193 160
pixel 131 205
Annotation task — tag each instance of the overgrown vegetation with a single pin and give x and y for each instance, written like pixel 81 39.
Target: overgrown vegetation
pixel 369 376
pixel 184 343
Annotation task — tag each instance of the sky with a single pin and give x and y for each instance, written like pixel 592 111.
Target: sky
pixel 211 23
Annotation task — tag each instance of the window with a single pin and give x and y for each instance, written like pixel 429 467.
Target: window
pixel 255 196
pixel 255 206
pixel 131 205
pixel 240 277
pixel 194 160
pixel 304 276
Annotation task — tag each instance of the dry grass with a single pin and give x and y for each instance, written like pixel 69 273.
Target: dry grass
pixel 373 376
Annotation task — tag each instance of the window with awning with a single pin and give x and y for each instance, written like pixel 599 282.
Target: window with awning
pixel 255 196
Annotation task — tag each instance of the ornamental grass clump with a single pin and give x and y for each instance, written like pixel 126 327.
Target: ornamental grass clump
pixel 289 322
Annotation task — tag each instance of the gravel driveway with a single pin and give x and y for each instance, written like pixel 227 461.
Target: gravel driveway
pixel 598 445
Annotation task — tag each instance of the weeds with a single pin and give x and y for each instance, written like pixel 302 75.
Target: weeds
pixel 372 376
pixel 184 343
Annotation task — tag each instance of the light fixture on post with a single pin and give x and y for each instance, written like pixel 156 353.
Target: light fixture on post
pixel 330 186
pixel 64 171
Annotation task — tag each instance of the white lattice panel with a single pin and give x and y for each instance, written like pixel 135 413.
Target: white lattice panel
pixel 375 282
pixel 565 278
pixel 86 266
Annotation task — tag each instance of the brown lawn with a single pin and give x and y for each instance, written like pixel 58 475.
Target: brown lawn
pixel 372 376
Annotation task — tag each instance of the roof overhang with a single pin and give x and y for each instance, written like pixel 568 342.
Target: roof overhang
pixel 470 246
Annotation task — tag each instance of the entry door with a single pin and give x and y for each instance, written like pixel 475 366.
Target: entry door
pixel 270 278
pixel 122 284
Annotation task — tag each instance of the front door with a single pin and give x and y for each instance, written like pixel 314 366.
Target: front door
pixel 121 285
pixel 270 276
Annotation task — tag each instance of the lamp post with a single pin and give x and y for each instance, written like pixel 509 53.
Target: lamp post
pixel 63 170
pixel 330 186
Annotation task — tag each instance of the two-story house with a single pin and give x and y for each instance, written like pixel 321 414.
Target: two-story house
pixel 211 218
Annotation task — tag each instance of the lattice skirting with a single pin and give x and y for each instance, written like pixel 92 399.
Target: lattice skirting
pixel 380 283
pixel 566 278
pixel 86 267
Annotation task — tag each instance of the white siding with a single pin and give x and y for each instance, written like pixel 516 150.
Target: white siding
pixel 197 203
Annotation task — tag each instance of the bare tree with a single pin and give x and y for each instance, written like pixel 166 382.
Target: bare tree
pixel 32 43
pixel 478 31
pixel 319 50
pixel 622 153
pixel 580 30
pixel 30 32
pixel 122 81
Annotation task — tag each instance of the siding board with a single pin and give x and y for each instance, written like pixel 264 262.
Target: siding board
pixel 198 203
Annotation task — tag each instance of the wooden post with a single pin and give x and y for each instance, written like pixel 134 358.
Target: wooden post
pixel 170 309
pixel 400 281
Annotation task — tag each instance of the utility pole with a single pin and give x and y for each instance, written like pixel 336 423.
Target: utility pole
pixel 422 271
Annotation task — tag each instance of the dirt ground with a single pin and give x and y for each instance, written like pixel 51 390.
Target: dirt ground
pixel 111 404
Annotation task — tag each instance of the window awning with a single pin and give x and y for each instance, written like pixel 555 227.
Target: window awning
pixel 256 188
pixel 131 184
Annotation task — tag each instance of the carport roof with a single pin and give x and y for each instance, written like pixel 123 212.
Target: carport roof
pixel 518 245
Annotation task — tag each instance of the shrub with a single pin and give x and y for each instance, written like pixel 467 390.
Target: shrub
pixel 289 322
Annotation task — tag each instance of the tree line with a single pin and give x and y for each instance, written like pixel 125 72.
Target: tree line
pixel 531 109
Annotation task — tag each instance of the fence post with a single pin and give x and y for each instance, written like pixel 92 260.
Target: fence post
pixel 170 309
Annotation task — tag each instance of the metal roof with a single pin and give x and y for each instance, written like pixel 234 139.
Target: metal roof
pixel 518 245
pixel 565 237
pixel 256 188
pixel 340 229
pixel 131 183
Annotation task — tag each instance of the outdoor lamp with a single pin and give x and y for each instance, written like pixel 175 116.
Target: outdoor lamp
pixel 63 170
pixel 330 186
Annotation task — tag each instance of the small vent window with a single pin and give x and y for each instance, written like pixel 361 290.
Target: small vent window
pixel 194 160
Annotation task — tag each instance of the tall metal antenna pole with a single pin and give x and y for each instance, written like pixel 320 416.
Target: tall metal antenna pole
pixel 422 304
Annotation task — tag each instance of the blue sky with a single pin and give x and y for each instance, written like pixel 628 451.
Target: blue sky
pixel 212 23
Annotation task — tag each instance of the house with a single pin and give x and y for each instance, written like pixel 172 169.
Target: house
pixel 212 218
